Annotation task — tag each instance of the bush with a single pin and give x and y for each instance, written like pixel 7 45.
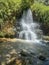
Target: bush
pixel 10 10
pixel 42 12
pixel 2 34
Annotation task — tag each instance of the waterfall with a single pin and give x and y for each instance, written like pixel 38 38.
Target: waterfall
pixel 28 27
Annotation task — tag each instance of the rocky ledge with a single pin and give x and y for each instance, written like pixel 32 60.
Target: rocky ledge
pixel 10 40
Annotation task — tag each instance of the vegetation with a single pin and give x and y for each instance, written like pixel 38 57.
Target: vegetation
pixel 10 10
pixel 46 2
pixel 41 13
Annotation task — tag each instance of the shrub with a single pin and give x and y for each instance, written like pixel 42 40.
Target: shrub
pixel 42 12
pixel 10 10
pixel 2 34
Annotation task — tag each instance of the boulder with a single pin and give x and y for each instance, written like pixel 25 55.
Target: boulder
pixel 24 53
pixel 41 57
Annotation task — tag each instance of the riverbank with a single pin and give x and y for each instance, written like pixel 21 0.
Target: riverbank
pixel 41 15
pixel 45 38
pixel 11 40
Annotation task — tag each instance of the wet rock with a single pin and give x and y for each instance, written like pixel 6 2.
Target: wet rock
pixel 11 61
pixel 22 61
pixel 7 59
pixel 41 57
pixel 3 63
pixel 13 52
pixel 24 53
pixel 8 55
pixel 32 53
pixel 19 62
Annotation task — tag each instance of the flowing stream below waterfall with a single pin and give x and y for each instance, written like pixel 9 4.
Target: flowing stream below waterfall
pixel 32 44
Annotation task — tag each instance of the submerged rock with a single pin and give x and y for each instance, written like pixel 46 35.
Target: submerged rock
pixel 41 57
pixel 24 53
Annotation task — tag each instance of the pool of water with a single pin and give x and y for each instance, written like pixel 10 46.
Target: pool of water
pixel 38 49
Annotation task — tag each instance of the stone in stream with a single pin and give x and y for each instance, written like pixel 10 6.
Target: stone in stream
pixel 13 52
pixel 11 61
pixel 11 57
pixel 24 53
pixel 3 63
pixel 19 62
pixel 41 57
pixel 8 55
pixel 22 61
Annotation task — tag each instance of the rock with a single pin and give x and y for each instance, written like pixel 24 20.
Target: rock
pixel 3 63
pixel 13 52
pixel 11 61
pixel 7 59
pixel 24 53
pixel 32 53
pixel 8 55
pixel 41 57
pixel 18 62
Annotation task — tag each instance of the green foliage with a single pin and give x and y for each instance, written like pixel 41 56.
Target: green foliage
pixel 42 12
pixel 10 10
pixel 26 3
pixel 2 34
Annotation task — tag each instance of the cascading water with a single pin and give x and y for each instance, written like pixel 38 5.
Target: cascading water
pixel 28 27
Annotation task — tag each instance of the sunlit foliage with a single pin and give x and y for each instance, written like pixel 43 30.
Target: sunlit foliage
pixel 42 12
pixel 10 11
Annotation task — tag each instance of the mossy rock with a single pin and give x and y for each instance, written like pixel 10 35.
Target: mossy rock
pixel 46 38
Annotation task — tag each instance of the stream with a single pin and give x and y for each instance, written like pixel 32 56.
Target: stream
pixel 35 49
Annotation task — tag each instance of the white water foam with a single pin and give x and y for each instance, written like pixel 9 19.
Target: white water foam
pixel 28 28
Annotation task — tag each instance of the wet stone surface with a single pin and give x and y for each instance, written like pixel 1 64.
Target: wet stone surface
pixel 24 54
